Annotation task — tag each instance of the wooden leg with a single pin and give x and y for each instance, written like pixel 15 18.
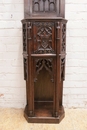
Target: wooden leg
pixel 61 93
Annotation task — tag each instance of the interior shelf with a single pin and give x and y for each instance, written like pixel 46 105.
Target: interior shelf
pixel 43 109
pixel 43 55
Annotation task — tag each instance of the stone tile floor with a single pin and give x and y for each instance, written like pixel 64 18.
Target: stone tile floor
pixel 13 119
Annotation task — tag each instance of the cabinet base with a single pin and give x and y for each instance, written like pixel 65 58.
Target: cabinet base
pixel 37 119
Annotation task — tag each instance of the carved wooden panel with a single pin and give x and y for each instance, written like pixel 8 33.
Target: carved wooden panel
pixel 44 63
pixel 25 37
pixel 43 37
pixel 43 44
pixel 63 51
pixel 29 27
pixel 44 5
pixel 63 48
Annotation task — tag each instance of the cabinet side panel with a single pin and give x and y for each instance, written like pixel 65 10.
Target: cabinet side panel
pixel 62 8
pixel 26 8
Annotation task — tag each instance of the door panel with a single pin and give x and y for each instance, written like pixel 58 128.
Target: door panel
pixel 43 43
pixel 43 37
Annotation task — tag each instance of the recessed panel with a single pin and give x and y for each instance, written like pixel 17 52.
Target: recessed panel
pixel 43 87
pixel 44 5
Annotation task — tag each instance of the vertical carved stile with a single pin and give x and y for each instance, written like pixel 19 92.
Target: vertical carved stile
pixel 63 51
pixel 59 41
pixel 25 37
pixel 25 68
pixel 30 70
pixel 57 68
pixel 29 26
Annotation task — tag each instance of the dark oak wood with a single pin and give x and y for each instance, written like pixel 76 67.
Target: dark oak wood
pixel 47 8
pixel 44 52
pixel 41 119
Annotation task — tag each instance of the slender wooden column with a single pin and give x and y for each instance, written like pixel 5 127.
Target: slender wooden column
pixel 30 84
pixel 61 93
pixel 58 39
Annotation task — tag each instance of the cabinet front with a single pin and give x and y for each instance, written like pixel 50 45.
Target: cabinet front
pixel 44 48
pixel 43 43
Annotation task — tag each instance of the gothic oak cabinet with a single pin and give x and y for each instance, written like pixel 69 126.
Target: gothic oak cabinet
pixel 44 51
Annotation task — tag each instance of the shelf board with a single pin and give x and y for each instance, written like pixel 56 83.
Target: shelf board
pixel 43 55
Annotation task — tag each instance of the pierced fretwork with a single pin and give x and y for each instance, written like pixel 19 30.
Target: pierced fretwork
pixel 44 63
pixel 63 48
pixel 24 37
pixel 63 51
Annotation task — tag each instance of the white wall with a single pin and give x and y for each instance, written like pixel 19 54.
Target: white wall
pixel 75 86
pixel 12 85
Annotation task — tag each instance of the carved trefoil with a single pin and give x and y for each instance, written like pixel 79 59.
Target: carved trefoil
pixel 44 63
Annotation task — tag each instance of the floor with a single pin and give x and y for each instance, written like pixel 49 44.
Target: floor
pixel 13 119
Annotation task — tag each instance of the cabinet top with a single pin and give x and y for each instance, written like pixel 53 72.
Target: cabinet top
pixel 44 18
pixel 44 8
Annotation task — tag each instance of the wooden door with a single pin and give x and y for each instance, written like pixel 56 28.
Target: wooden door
pixel 44 80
